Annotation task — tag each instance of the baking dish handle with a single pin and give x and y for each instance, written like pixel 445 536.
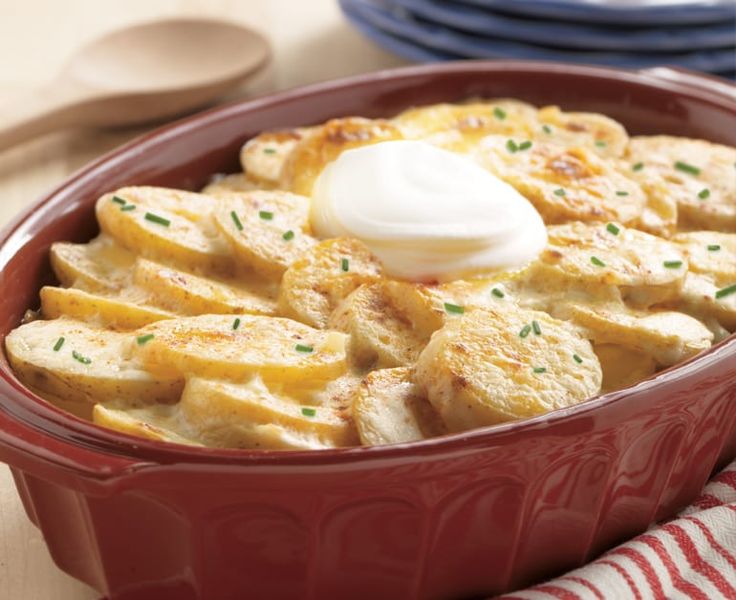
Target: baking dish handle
pixel 693 79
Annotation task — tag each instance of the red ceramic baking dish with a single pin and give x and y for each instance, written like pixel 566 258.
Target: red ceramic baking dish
pixel 462 516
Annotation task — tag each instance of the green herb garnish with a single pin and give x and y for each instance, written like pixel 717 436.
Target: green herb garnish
pixel 539 370
pixel 144 339
pixel 80 358
pixel 127 207
pixel 637 167
pixel 236 220
pixel 525 331
pixel 559 192
pixel 309 412
pixel 546 129
pixel 511 146
pixel 454 308
pixel 269 150
pixel 672 264
pixel 622 193
pixel 265 215
pixel 714 247
pixel 577 359
pixel 611 228
pixel 288 235
pixel 525 145
pixel 303 348
pixel 601 144
pixel 727 291
pixel 499 113
pixel 704 193
pixel 497 293
pixel 536 328
pixel 156 219
pixel 344 265
pixel 687 168
pixel 597 261
pixel 236 324
pixel 59 343
pixel 119 200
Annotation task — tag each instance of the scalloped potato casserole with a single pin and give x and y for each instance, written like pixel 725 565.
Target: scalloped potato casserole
pixel 253 315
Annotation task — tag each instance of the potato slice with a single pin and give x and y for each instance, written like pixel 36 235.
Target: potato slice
pixel 249 415
pixel 263 156
pixel 100 265
pixel 669 337
pixel 648 269
pixel 314 285
pixel 710 252
pixel 232 184
pixel 390 409
pixel 603 135
pixel 267 231
pixel 129 309
pixel 167 225
pixel 189 294
pixel 622 366
pixel 698 174
pixel 563 183
pixel 83 364
pixel 324 144
pixel 150 422
pixel 380 335
pixel 698 299
pixel 491 366
pixel 236 347
pixel 459 127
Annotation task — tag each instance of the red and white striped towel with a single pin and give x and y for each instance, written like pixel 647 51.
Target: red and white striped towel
pixel 692 556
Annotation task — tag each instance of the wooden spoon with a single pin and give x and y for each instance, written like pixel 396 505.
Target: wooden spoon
pixel 137 74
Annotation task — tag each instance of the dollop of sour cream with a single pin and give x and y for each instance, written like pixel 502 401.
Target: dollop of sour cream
pixel 426 213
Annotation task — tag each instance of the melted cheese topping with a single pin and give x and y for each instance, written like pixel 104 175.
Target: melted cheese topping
pixel 426 213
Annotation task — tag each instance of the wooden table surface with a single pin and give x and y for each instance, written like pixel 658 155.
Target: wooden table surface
pixel 311 42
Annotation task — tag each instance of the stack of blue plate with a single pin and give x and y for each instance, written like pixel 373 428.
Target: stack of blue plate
pixel 635 34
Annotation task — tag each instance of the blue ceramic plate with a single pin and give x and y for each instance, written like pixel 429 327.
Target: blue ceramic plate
pixel 672 12
pixel 570 35
pixel 428 35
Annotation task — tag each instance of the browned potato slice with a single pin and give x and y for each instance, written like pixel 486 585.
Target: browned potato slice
pixel 80 363
pixel 623 366
pixel 669 337
pixel 128 309
pixel 601 134
pixel 314 285
pixel 491 366
pixel 235 348
pixel 648 269
pixel 172 226
pixel 100 265
pixel 380 335
pixel 267 231
pixel 153 422
pixel 698 174
pixel 710 252
pixel 563 184
pixel 263 156
pixel 390 409
pixel 189 294
pixel 249 415
pixel 324 144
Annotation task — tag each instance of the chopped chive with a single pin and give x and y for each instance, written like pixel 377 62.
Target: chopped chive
pixel 601 144
pixel 269 150
pixel 344 265
pixel 622 193
pixel 303 348
pixel 144 339
pixel 525 145
pixel 127 207
pixel 119 200
pixel 536 328
pixel 611 228
pixel 156 219
pixel 236 324
pixel 236 220
pixel 59 343
pixel 511 146
pixel 559 192
pixel 540 370
pixel 499 113
pixel 597 261
pixel 454 308
pixel 497 293
pixel 546 129
pixel 265 215
pixel 727 291
pixel 309 412
pixel 672 264
pixel 288 235
pixel 80 358
pixel 687 168
pixel 714 247
pixel 704 193
pixel 525 331
pixel 577 359
pixel 637 167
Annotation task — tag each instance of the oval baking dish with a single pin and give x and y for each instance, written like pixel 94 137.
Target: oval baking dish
pixel 460 516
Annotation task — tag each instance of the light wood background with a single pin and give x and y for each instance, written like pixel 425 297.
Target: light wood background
pixel 311 42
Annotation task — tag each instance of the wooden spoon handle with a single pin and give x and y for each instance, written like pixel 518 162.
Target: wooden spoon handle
pixel 41 111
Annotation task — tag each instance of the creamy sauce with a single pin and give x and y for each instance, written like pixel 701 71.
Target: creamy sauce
pixel 426 213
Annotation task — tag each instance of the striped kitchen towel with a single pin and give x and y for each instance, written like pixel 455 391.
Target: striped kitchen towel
pixel 692 556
